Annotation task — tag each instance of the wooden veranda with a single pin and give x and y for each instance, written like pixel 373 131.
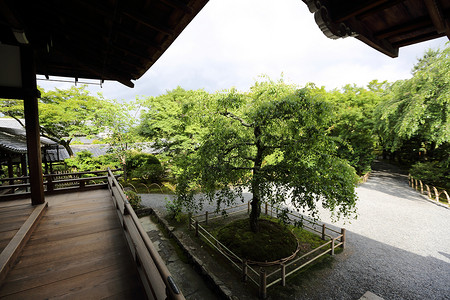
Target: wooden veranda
pixel 85 243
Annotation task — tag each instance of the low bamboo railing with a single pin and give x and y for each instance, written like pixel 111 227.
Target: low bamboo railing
pixel 154 274
pixel 283 269
pixel 418 185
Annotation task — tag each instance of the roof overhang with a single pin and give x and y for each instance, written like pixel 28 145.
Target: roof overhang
pixel 385 25
pixel 101 39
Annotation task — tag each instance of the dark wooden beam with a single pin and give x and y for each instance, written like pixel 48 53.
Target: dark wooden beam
pixel 404 28
pixel 177 4
pixel 31 112
pixel 342 13
pixel 378 8
pixel 437 16
pixel 146 21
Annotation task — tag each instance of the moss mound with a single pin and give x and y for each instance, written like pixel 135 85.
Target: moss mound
pixel 273 241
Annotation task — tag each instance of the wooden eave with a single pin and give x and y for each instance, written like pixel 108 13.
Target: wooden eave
pixel 385 25
pixel 104 39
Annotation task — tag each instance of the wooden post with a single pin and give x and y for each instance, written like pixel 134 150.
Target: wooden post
pixel 82 184
pixel 283 274
pixel 266 208
pixel 436 193
pixel 50 185
pixel 10 170
pixel 30 104
pixel 244 270
pixel 448 197
pixel 206 218
pixel 421 186
pixel 428 191
pixel 332 246
pixel 323 231
pixel 416 185
pixel 248 207
pixel 189 221
pixel 343 238
pixel 262 284
pixel 196 228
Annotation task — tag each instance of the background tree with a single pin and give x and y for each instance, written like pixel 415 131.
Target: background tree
pixel 415 121
pixel 120 122
pixel 169 121
pixel 273 141
pixel 63 114
pixel 353 125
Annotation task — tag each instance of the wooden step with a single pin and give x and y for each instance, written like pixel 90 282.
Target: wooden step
pixel 12 251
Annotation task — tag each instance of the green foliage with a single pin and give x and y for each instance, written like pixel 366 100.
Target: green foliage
pixel 133 198
pixel 171 121
pixel 353 109
pixel 434 173
pixel 63 114
pixel 144 166
pixel 419 108
pixel 84 161
pixel 273 141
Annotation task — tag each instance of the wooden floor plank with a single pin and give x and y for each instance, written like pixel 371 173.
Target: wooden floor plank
pixel 38 276
pixel 95 285
pixel 69 248
pixel 78 251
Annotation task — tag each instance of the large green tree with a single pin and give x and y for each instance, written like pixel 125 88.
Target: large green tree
pixel 274 142
pixel 169 120
pixel 63 113
pixel 416 117
pixel 353 121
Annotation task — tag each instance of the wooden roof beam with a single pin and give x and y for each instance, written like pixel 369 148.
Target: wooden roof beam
pixel 404 28
pixel 145 20
pixel 437 16
pixel 362 8
pixel 177 4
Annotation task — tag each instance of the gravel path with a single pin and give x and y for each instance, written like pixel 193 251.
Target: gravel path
pixel 397 248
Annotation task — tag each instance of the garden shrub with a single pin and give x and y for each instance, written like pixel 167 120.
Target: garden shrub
pixel 133 198
pixel 145 166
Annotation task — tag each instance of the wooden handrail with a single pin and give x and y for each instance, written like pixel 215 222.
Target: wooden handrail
pixel 147 257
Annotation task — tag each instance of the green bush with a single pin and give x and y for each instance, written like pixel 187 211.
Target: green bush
pixel 145 166
pixel 133 198
pixel 434 173
pixel 84 161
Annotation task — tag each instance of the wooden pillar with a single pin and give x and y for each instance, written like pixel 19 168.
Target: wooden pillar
pixel 10 170
pixel 30 103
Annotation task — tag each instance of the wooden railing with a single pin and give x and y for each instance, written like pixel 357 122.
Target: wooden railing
pixel 55 183
pixel 414 183
pixel 154 274
pixel 279 270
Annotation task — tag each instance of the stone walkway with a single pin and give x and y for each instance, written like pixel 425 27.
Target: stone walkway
pixel 187 279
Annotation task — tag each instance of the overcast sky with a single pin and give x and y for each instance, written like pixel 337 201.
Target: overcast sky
pixel 231 42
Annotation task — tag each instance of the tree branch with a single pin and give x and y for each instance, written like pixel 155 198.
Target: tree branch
pixel 230 115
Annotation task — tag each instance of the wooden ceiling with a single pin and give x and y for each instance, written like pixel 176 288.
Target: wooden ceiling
pixel 385 25
pixel 96 39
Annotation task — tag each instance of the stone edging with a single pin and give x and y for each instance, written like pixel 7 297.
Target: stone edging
pixel 218 285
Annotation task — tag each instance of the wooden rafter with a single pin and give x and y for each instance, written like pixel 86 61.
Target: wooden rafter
pixel 146 21
pixel 437 16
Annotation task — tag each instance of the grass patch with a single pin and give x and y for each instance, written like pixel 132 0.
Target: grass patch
pixel 273 241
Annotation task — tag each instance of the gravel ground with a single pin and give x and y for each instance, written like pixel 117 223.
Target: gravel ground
pixel 397 248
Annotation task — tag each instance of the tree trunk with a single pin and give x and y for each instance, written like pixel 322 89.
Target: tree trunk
pixel 66 145
pixel 256 201
pixel 254 214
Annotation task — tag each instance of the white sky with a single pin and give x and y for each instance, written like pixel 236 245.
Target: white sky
pixel 231 42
